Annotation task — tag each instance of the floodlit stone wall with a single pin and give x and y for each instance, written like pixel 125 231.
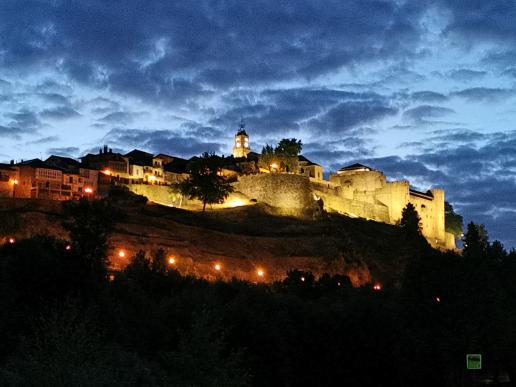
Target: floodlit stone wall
pixel 288 192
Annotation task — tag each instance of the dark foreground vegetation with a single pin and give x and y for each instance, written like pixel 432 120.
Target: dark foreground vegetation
pixel 65 320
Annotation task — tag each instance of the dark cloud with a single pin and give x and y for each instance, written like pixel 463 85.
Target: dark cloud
pixel 139 50
pixel 71 151
pixel 348 115
pixel 118 118
pixel 428 96
pixel 422 113
pixel 466 74
pixel 59 113
pixel 483 94
pixel 24 119
pixel 162 141
pixel 43 140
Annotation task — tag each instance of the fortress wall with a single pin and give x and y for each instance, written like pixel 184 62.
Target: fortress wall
pixel 439 214
pixel 337 203
pixel 155 193
pixel 431 212
pixel 395 195
pixel 288 192
pixel 360 180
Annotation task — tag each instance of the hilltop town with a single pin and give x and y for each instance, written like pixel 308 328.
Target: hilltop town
pixel 355 190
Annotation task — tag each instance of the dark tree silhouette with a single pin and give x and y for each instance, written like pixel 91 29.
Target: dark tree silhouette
pixel 475 241
pixel 410 221
pixel 205 182
pixel 452 220
pixel 289 147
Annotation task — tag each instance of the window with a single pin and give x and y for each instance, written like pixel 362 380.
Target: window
pixel 70 179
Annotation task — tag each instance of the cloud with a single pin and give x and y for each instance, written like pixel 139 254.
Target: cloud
pixel 422 113
pixel 162 141
pixel 24 119
pixel 484 94
pixel 348 115
pixel 428 96
pixel 119 118
pixel 71 151
pixel 466 74
pixel 59 113
pixel 43 140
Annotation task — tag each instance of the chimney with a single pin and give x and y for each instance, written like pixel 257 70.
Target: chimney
pixel 110 150
pixel 100 151
pixel 12 162
pixel 105 148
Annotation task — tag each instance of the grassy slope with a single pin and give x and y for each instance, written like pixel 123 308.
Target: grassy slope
pixel 243 239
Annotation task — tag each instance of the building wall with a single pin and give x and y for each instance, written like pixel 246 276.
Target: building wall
pixel 7 177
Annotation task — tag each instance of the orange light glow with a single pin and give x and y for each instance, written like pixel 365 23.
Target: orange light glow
pixel 14 181
pixel 303 279
pixel 106 172
pixel 111 277
pixel 152 178
pixel 171 261
pixel 68 247
pixel 377 287
pixel 121 253
pixel 217 267
pixel 260 273
pixel 12 240
pixel 88 190
pixel 274 166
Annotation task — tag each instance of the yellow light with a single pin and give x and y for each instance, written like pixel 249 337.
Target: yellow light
pixel 106 172
pixel 303 279
pixel 111 277
pixel 88 190
pixel 152 178
pixel 377 287
pixel 171 261
pixel 121 253
pixel 14 181
pixel 217 267
pixel 236 203
pixel 274 166
pixel 260 273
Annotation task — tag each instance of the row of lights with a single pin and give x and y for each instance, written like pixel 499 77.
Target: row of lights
pixel 172 261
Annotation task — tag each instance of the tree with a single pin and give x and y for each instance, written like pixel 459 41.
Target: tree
pixel 289 147
pixel 205 182
pixel 410 221
pixel 89 224
pixel 475 241
pixel 453 221
pixel 267 158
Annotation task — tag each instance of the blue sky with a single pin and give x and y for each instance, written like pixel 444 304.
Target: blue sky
pixel 421 90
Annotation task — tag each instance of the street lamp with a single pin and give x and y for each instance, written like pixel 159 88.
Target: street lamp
pixel 14 183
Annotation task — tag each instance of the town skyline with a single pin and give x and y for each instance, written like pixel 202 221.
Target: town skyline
pixel 420 91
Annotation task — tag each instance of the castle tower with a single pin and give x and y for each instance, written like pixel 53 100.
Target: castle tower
pixel 241 147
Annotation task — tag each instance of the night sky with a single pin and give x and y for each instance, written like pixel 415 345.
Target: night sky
pixel 420 90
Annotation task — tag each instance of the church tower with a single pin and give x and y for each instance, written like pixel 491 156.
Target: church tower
pixel 241 147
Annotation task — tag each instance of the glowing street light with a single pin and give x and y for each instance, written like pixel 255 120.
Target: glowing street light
pixel 121 253
pixel 303 279
pixel 68 247
pixel 260 273
pixel 88 190
pixel 377 287
pixel 12 240
pixel 437 299
pixel 171 261
pixel 217 267
pixel 274 166
pixel 107 172
pixel 14 183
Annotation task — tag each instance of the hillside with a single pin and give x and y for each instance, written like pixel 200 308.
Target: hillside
pixel 242 240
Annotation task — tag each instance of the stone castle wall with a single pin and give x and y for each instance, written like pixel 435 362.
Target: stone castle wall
pixel 288 192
